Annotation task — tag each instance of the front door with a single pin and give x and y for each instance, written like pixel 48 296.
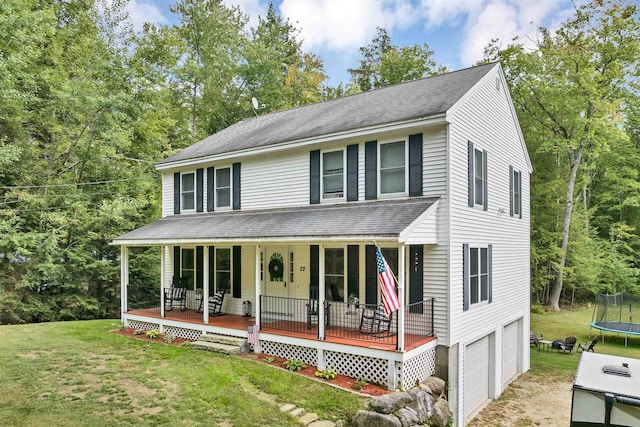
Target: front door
pixel 275 267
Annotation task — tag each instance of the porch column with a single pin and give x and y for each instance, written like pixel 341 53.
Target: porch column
pixel 205 285
pixel 321 293
pixel 256 347
pixel 401 275
pixel 163 261
pixel 124 277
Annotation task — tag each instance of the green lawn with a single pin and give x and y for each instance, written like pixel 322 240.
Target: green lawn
pixel 573 323
pixel 79 374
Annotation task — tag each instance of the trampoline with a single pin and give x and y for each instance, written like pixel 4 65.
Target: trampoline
pixel 615 313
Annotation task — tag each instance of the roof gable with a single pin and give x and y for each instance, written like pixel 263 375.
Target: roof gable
pixel 417 99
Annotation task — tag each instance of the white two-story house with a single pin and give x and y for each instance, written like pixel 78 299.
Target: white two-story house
pixel 277 217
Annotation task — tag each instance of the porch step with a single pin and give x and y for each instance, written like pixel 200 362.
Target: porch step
pixel 221 344
pixel 223 339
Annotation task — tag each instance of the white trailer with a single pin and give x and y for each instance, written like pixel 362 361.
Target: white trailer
pixel 606 392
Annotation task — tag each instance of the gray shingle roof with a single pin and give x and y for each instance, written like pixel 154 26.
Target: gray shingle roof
pixel 380 219
pixel 413 100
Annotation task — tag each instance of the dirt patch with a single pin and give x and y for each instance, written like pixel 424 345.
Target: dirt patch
pixel 340 381
pixel 529 401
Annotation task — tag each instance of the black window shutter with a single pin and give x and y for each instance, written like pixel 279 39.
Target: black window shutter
pixel 237 271
pixel 210 190
pixel 490 272
pixel 352 172
pixel 176 193
pixel 485 189
pixel 370 170
pixel 314 177
pixel 416 254
pixel 314 271
pixel 212 270
pixel 176 266
pixel 511 193
pixel 199 190
pixel 415 165
pixel 470 170
pixel 199 267
pixel 236 186
pixel 353 270
pixel 465 276
pixel 371 275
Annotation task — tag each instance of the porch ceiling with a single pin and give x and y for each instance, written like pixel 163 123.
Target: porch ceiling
pixel 384 220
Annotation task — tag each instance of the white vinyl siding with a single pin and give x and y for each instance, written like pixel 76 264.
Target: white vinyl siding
pixel 167 193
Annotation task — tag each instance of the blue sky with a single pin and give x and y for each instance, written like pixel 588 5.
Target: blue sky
pixel 456 30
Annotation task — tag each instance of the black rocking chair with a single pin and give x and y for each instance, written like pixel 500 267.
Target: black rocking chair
pixel 215 303
pixel 175 296
pixel 313 312
pixel 375 322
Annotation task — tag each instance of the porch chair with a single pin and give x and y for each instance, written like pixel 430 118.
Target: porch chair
pixel 586 346
pixel 215 303
pixel 534 339
pixel 566 345
pixel 175 295
pixel 375 322
pixel 313 312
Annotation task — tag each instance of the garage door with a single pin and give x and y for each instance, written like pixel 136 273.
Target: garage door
pixel 509 352
pixel 476 375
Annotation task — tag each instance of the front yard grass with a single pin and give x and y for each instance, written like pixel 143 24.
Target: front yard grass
pixel 79 374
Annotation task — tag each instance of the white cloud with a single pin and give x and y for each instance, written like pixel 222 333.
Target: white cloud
pixel 141 11
pixel 484 20
pixel 345 25
pixel 249 7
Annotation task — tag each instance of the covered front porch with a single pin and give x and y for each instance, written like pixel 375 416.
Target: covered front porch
pixel 305 278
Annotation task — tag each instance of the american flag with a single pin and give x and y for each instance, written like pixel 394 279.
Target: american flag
pixel 390 301
pixel 252 335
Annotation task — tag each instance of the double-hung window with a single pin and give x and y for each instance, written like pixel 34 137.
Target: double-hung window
pixel 477 275
pixel 187 192
pixel 334 274
pixel 188 267
pixel 515 180
pixel 223 269
pixel 478 184
pixel 333 175
pixel 223 187
pixel 392 173
pixel 478 177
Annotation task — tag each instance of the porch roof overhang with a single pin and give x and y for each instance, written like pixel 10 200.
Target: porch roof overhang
pixel 410 221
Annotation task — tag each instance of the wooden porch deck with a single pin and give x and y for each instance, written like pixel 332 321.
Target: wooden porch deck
pixel 296 329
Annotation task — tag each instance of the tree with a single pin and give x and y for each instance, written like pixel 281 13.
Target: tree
pixel 385 64
pixel 570 92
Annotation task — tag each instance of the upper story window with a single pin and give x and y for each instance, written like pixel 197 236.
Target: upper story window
pixel 333 175
pixel 515 180
pixel 478 184
pixel 223 187
pixel 392 173
pixel 187 192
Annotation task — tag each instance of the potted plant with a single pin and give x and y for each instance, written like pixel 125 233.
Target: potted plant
pixel 352 302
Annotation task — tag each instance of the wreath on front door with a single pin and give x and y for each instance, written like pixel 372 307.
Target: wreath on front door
pixel 276 267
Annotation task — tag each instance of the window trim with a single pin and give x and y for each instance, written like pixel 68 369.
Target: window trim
pixel 216 206
pixel 345 288
pixel 214 270
pixel 344 176
pixel 405 192
pixel 182 192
